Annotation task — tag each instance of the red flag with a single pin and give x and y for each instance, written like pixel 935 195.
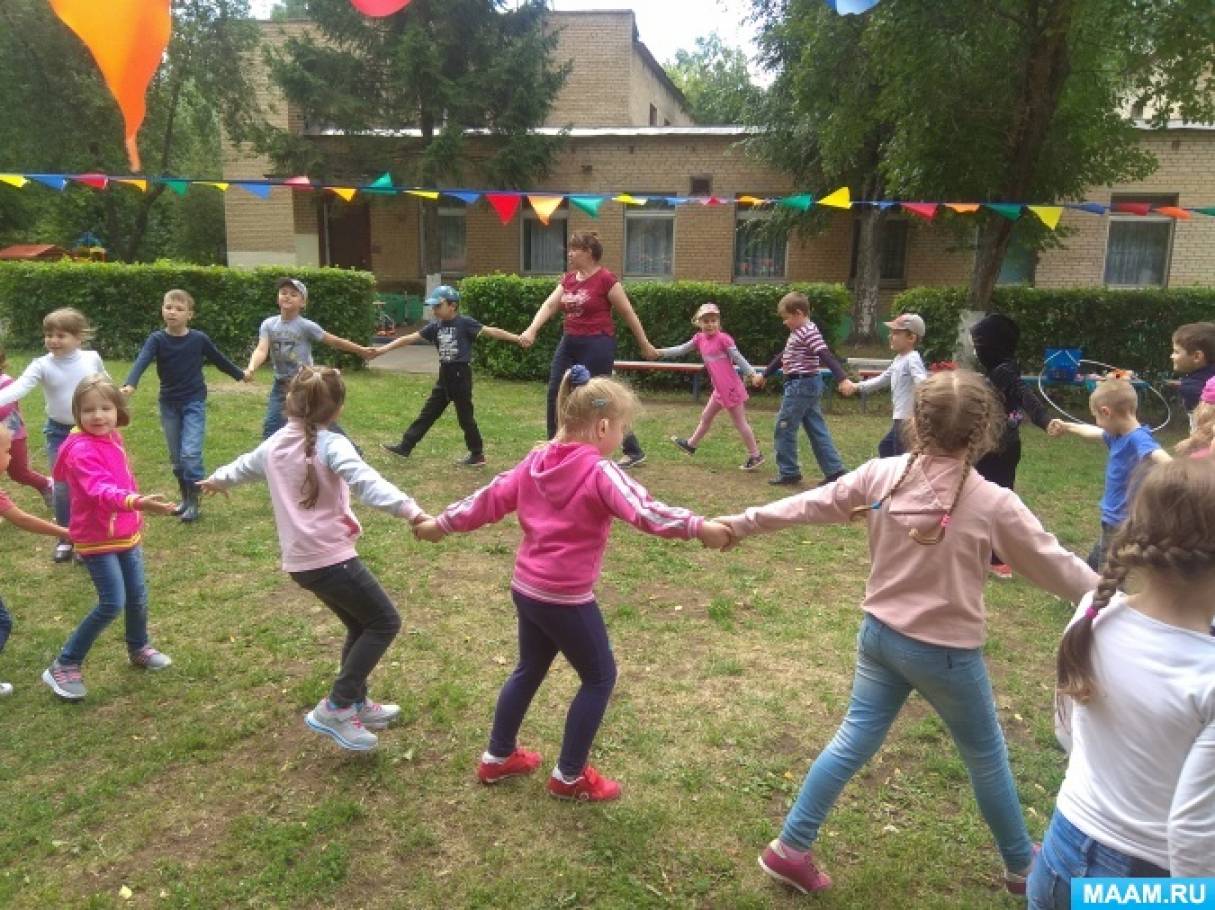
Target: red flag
pixel 1131 208
pixel 379 8
pixel 96 181
pixel 926 210
pixel 505 204
pixel 298 183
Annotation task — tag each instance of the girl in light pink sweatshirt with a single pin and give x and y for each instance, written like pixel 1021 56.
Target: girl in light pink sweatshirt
pixel 933 522
pixel 310 470
pixel 566 493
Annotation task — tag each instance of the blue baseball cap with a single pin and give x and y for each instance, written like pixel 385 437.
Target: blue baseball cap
pixel 441 293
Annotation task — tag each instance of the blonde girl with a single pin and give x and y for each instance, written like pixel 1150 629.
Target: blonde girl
pixel 310 471
pixel 933 522
pixel 1198 444
pixel 566 492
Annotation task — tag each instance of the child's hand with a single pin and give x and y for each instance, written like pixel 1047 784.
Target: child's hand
pixel 127 390
pixel 847 388
pixel 527 338
pixel 156 504
pixel 716 536
pixel 1056 427
pixel 757 380
pixel 248 376
pixel 649 352
pixel 428 529
pixel 210 488
pixel 370 353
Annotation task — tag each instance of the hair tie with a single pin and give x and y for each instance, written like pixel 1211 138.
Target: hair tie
pixel 1090 613
pixel 944 521
pixel 579 375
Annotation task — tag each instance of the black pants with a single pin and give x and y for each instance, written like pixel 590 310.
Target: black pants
pixel 595 352
pixel 1000 467
pixel 892 442
pixel 372 622
pixel 455 386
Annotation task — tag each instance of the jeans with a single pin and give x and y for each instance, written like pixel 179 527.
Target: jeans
pixel 1096 556
pixel 892 443
pixel 544 630
pixel 6 624
pixel 454 386
pixel 801 406
pixel 185 426
pixel 118 578
pixel 56 433
pixel 1067 853
pixel 372 622
pixel 274 419
pixel 598 354
pixel 954 681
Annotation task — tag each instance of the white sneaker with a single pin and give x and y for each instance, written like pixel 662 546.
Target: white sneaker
pixel 6 689
pixel 342 725
pixel 376 716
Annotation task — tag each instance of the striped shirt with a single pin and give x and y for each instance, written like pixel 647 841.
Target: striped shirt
pixel 802 350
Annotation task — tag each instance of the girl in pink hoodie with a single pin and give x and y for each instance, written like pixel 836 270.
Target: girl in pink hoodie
pixel 566 493
pixel 105 528
pixel 933 523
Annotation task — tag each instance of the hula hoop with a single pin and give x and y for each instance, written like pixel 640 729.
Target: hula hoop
pixel 1168 411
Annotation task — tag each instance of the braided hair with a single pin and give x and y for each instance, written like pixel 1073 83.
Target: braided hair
pixel 315 396
pixel 1169 531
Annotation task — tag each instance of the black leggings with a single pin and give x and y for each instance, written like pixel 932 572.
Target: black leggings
pixel 595 352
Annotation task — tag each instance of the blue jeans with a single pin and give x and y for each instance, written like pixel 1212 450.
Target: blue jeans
pixel 274 419
pixel 56 433
pixel 1067 853
pixel 1096 556
pixel 6 624
pixel 954 681
pixel 801 406
pixel 185 426
pixel 118 578
pixel 892 443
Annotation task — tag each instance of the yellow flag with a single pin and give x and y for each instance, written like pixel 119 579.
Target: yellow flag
pixel 840 199
pixel 1050 214
pixel 138 182
pixel 346 193
pixel 752 200
pixel 963 208
pixel 626 199
pixel 424 194
pixel 13 180
pixel 218 184
pixel 544 206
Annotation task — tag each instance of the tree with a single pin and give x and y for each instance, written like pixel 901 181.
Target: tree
pixel 442 66
pixel 716 82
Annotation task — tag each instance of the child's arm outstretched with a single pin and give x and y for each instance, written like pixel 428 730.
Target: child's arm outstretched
pixel 147 354
pixel 259 355
pixel 491 503
pixel 411 338
pixel 678 350
pixel 215 356
pixel 1032 551
pixel 350 347
pixel 97 482
pixel 1059 427
pixel 32 523
pixel 498 334
pixel 740 363
pixel 830 504
pixel 340 455
pixel 248 467
pixel 25 383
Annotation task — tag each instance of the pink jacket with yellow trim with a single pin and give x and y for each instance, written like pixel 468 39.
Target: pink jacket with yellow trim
pixel 103 493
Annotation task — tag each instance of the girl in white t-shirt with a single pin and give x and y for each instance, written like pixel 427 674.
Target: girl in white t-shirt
pixel 1139 796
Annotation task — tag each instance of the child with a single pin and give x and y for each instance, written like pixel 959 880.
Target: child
pixel 310 469
pixel 995 339
pixel 1113 404
pixel 932 525
pixel 566 493
pixel 1137 797
pixel 179 352
pixel 287 340
pixel 801 401
pixel 1202 425
pixel 58 372
pixel 19 459
pixel 901 377
pixel 721 356
pixel 25 522
pixel 106 519
pixel 1194 357
pixel 453 335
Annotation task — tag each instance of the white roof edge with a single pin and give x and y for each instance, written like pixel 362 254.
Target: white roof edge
pixel 573 132
pixel 1173 125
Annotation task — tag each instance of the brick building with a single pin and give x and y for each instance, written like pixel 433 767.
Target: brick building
pixel 629 131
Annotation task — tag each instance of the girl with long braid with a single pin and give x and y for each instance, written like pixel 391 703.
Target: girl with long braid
pixel 933 522
pixel 310 471
pixel 1138 799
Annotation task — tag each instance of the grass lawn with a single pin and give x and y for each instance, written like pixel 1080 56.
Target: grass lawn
pixel 201 786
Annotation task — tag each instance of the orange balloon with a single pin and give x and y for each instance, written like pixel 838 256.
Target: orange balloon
pixel 127 38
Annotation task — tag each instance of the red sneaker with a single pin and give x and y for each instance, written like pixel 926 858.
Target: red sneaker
pixel 517 764
pixel 1001 570
pixel 590 786
pixel 803 874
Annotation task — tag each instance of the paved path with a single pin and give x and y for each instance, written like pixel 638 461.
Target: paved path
pixel 412 358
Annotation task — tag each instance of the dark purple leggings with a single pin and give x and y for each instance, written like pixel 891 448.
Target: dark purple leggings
pixel 544 630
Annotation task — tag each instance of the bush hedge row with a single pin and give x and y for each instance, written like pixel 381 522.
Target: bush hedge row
pixel 122 301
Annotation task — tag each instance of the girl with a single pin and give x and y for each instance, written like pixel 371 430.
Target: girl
pixel 309 469
pixel 58 372
pixel 19 456
pixel 721 356
pixel 94 467
pixel 566 493
pixel 1198 445
pixel 1137 798
pixel 933 522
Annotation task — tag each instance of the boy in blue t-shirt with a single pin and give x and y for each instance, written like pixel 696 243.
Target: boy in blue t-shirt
pixel 453 335
pixel 1114 404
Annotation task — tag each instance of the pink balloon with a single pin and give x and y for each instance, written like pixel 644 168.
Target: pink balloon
pixel 379 7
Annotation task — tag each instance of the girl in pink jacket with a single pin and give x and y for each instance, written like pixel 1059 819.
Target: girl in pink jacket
pixel 566 493
pixel 933 522
pixel 105 529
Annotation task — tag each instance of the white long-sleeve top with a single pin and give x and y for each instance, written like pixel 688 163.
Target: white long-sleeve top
pixel 1141 778
pixel 904 373
pixel 58 376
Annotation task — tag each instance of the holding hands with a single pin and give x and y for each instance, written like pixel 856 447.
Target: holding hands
pixel 527 338
pixel 716 536
pixel 847 388
pixel 156 504
pixel 427 528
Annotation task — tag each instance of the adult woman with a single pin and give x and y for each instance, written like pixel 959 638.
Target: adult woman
pixel 588 294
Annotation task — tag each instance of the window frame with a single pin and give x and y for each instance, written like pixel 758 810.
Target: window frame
pixel 756 213
pixel 448 210
pixel 529 216
pixel 648 212
pixel 1116 218
pixel 899 283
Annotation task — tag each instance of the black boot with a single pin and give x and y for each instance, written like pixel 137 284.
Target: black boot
pixel 189 503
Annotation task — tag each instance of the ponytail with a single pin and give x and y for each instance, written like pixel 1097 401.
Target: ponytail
pixel 315 397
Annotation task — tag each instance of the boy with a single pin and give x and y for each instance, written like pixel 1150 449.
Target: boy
pixel 453 334
pixel 1113 404
pixel 800 403
pixel 287 340
pixel 1194 357
pixel 179 352
pixel 905 372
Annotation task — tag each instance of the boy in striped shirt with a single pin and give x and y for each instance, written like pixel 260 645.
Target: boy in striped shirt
pixel 801 403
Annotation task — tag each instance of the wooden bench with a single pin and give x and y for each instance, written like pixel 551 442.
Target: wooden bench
pixel 696 371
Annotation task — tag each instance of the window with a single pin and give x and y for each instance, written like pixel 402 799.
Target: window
pixel 544 244
pixel 701 185
pixel 653 116
pixel 894 251
pixel 1139 246
pixel 649 239
pixel 453 240
pixel 757 255
pixel 1020 261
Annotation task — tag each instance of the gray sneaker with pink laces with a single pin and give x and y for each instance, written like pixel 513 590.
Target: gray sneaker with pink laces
pixel 149 658
pixel 65 680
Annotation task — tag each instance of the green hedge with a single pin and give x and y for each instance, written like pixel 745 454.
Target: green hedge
pixel 123 302
pixel 748 313
pixel 1130 329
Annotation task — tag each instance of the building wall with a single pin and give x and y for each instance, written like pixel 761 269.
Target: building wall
pixel 594 94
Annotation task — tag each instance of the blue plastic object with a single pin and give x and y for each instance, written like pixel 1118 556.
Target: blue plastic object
pixel 1062 364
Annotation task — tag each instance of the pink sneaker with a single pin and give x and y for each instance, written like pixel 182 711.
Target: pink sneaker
pixel 777 861
pixel 591 786
pixel 517 764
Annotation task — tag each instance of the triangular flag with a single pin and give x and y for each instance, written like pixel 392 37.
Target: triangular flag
pixel 1206 210
pixel 1049 214
pixel 218 184
pixel 840 199
pixel 801 202
pixel 752 200
pixel 379 8
pixel 884 204
pixel 925 210
pixel 963 208
pixel 544 206
pixel 1173 212
pixel 1131 208
pixel 258 188
pixel 54 181
pixel 679 200
pixel 588 204
pixel 381 185
pixel 1093 208
pixel 432 195
pixel 13 180
pixel 298 183
pixel 1009 210
pixel 505 204
pixel 626 199
pixel 345 193
pixel 138 182
pixel 96 181
pixel 176 184
pixel 711 200
pixel 468 198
